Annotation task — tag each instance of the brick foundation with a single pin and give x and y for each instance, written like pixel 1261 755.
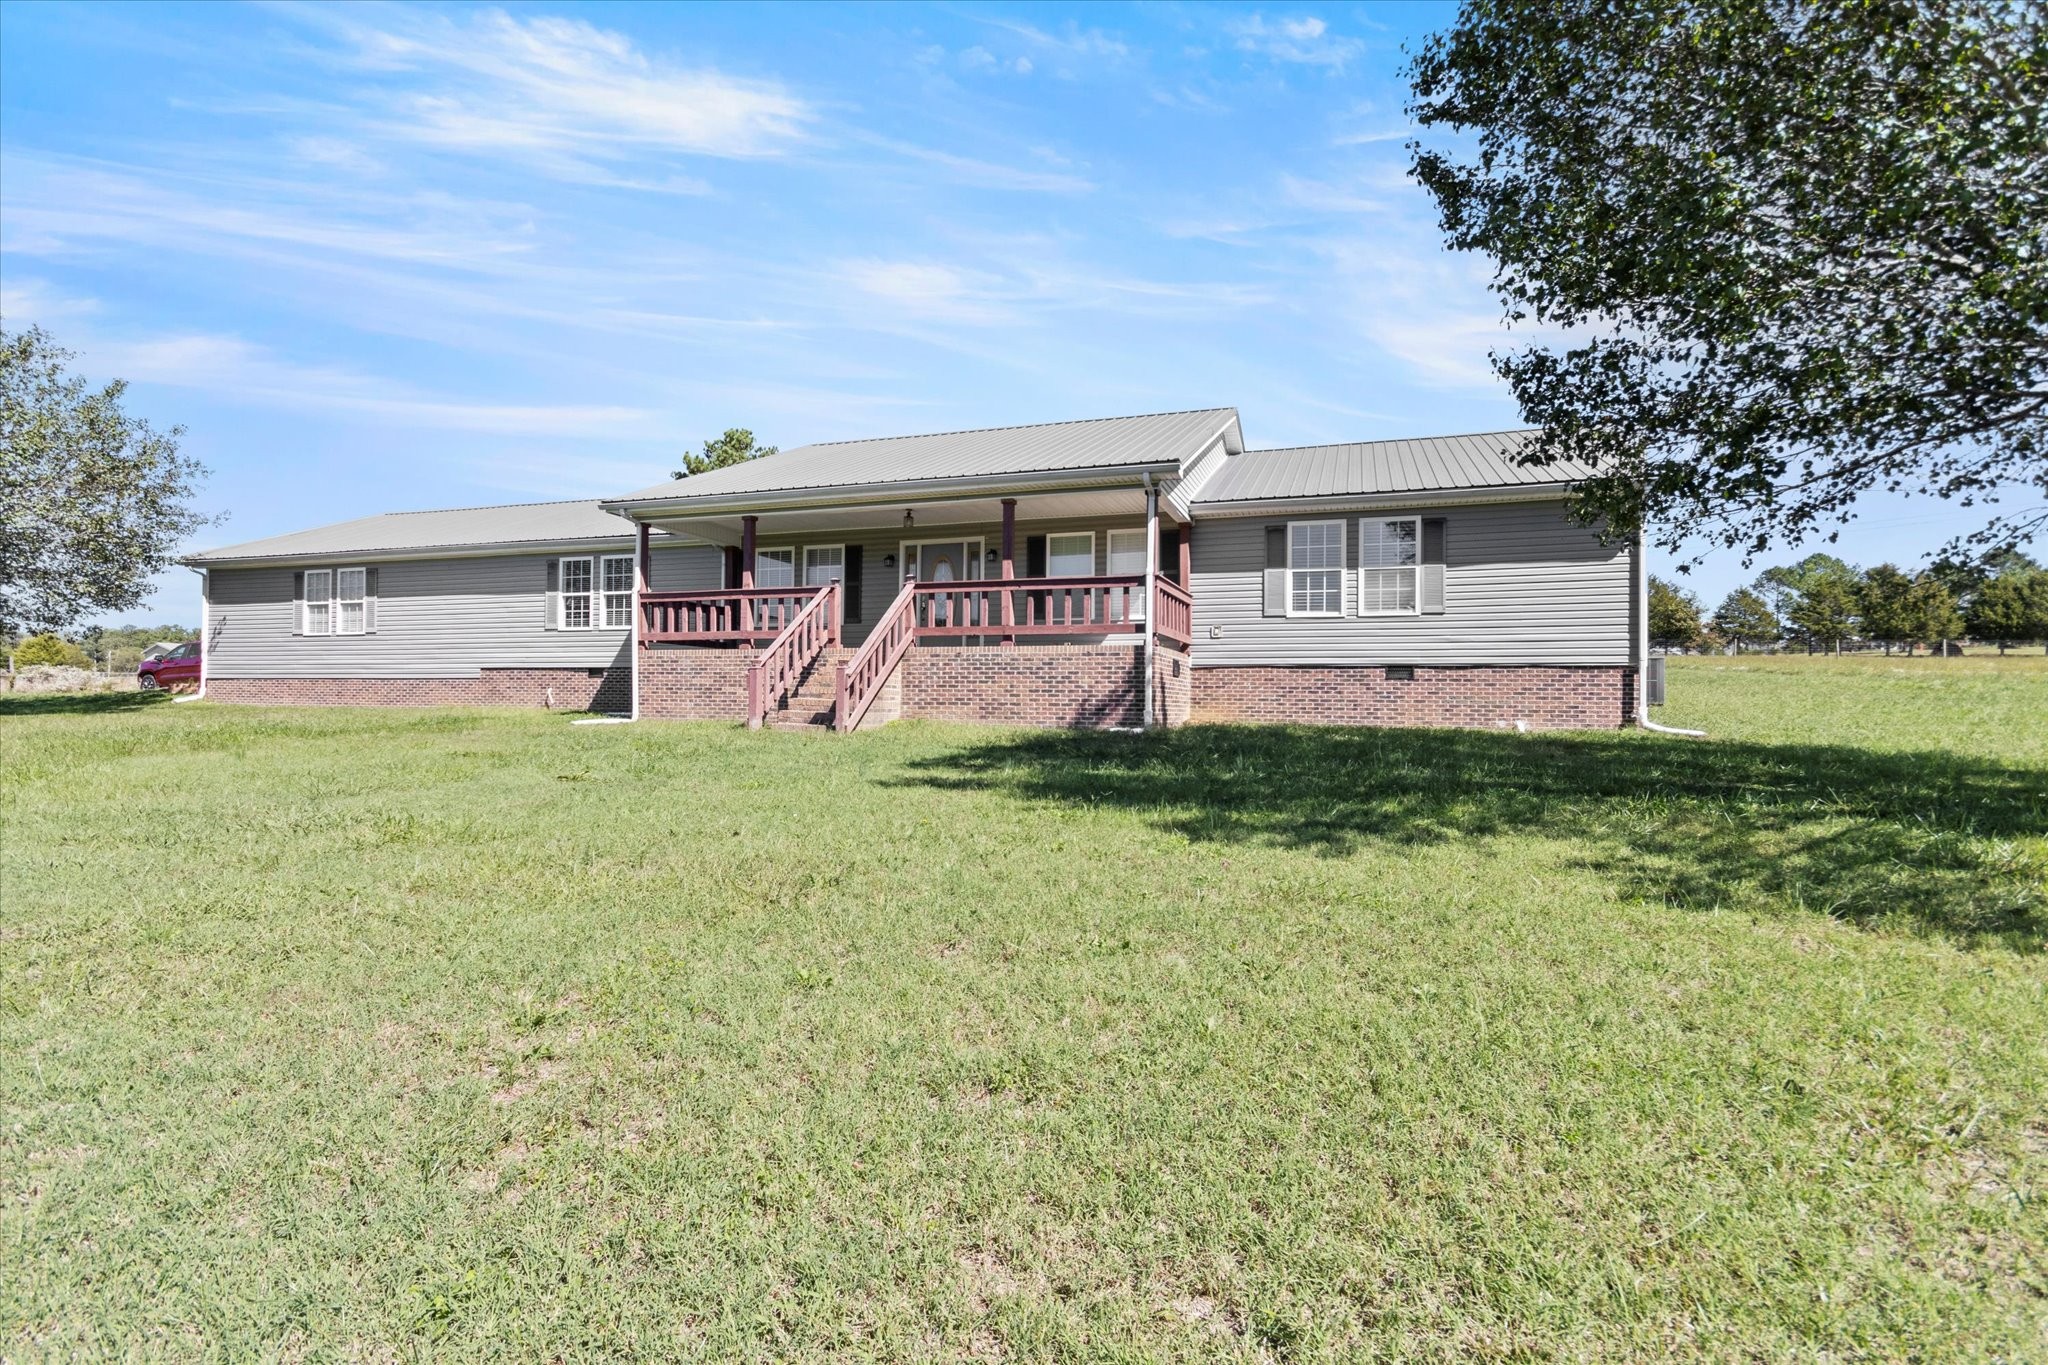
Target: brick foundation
pixel 574 689
pixel 1075 687
pixel 1489 698
pixel 694 682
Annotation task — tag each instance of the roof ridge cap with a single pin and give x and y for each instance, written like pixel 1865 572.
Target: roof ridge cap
pixel 1013 426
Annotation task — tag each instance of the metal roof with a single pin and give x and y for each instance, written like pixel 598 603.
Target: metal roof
pixel 1100 443
pixel 1370 468
pixel 548 523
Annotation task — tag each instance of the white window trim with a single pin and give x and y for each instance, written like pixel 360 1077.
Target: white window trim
pixel 334 614
pixel 1109 544
pixel 795 564
pixel 598 621
pixel 327 600
pixel 1051 536
pixel 562 593
pixel 1343 552
pixel 803 564
pixel 1414 570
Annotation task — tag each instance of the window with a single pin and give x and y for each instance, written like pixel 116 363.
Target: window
pixel 1070 556
pixel 1388 552
pixel 823 563
pixel 775 568
pixel 349 594
pixel 319 601
pixel 184 651
pixel 618 592
pixel 597 592
pixel 1315 568
pixel 1127 556
pixel 578 582
pixel 1126 552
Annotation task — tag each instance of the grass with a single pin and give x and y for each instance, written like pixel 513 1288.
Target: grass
pixel 370 1035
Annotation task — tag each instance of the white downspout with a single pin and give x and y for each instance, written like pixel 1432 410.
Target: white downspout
pixel 1642 647
pixel 1151 589
pixel 640 555
pixel 205 628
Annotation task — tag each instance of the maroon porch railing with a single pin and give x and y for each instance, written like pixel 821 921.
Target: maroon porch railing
pixel 781 666
pixel 721 617
pixel 1175 618
pixel 1038 606
pixel 862 676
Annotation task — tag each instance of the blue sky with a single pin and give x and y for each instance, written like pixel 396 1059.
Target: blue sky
pixel 381 257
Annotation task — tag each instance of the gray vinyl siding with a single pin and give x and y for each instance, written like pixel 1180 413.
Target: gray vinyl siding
pixel 688 568
pixel 1522 585
pixel 436 618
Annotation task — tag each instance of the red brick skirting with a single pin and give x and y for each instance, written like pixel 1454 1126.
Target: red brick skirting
pixel 1075 687
pixel 1540 698
pixel 566 689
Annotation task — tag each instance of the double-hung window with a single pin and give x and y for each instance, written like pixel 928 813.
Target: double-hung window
pixel 823 564
pixel 618 592
pixel 350 590
pixel 579 583
pixel 597 591
pixel 1315 568
pixel 335 602
pixel 319 602
pixel 1389 550
pixel 1127 557
pixel 775 568
pixel 1070 556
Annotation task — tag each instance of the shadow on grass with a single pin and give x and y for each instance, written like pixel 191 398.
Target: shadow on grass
pixel 77 703
pixel 1940 843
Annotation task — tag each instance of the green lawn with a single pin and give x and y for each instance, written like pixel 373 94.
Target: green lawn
pixel 477 1035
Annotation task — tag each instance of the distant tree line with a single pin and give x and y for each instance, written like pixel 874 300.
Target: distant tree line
pixel 112 649
pixel 1821 602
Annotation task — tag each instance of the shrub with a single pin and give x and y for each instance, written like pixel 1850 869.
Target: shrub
pixel 49 649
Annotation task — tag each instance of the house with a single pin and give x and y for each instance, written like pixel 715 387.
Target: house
pixel 1115 572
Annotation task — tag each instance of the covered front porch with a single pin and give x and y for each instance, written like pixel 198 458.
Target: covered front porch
pixel 823 604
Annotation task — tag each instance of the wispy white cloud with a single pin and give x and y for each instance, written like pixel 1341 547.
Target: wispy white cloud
pixel 988 175
pixel 1071 40
pixel 53 203
pixel 557 93
pixel 1305 39
pixel 240 371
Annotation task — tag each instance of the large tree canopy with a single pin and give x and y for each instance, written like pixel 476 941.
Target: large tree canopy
pixel 1806 241
pixel 93 502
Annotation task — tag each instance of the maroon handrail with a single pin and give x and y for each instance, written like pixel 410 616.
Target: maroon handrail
pixel 781 666
pixel 720 617
pixel 1084 605
pixel 862 676
pixel 1175 619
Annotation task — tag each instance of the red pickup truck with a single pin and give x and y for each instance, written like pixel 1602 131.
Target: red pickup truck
pixel 178 667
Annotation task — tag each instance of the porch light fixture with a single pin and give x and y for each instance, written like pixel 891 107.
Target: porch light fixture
pixel 909 521
pixel 889 561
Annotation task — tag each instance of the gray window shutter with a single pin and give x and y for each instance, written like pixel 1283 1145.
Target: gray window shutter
pixel 1432 594
pixel 1034 557
pixel 299 602
pixel 550 599
pixel 370 600
pixel 1276 571
pixel 849 585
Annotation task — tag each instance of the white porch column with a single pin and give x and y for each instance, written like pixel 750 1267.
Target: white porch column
pixel 1151 592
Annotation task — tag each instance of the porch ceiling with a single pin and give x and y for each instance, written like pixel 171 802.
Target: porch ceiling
pixel 1105 503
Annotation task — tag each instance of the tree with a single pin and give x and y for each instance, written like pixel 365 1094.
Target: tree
pixel 1965 576
pixel 93 502
pixel 49 649
pixel 1931 611
pixel 736 446
pixel 1883 604
pixel 1824 613
pixel 1806 238
pixel 1745 617
pixel 1674 616
pixel 2010 608
pixel 1781 585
